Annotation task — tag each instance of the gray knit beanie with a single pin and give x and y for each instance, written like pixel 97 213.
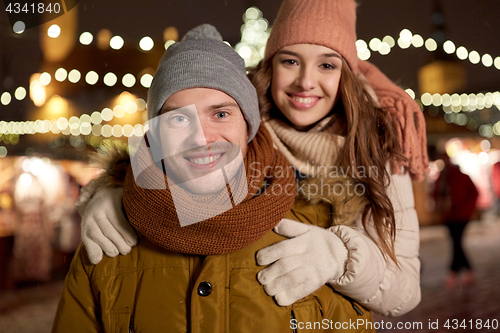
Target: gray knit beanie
pixel 202 60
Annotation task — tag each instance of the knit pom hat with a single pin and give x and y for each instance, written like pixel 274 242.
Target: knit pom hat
pixel 330 23
pixel 202 60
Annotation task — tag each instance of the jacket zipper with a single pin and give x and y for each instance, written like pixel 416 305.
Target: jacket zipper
pixel 354 305
pixel 131 325
pixel 294 330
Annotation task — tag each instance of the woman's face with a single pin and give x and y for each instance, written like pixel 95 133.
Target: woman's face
pixel 305 82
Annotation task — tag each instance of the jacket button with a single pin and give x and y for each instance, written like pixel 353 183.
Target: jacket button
pixel 204 289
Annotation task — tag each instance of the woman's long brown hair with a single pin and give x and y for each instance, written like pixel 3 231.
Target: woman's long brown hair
pixel 371 142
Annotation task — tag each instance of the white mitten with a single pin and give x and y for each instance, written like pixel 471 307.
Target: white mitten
pixel 105 227
pixel 312 257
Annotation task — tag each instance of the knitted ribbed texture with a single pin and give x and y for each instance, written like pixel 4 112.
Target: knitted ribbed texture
pixel 153 213
pixel 330 23
pixel 407 117
pixel 203 60
pixel 312 152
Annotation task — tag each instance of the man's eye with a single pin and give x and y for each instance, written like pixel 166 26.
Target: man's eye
pixel 178 119
pixel 221 114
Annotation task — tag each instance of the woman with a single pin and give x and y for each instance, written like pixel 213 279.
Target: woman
pixel 325 118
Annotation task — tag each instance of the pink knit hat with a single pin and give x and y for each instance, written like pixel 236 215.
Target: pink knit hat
pixel 330 23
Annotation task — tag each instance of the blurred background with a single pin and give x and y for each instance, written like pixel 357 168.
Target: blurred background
pixel 71 84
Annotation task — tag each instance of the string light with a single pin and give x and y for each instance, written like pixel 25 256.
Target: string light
pixel 91 78
pixel 410 92
pixel 116 43
pixel 168 43
pixel 487 60
pixel 128 80
pixel 19 27
pixel 74 76
pixel 5 98
pixel 389 40
pixel 474 57
pixel 110 79
pixel 462 53
pixel 255 32
pixel 146 80
pixel 382 46
pixel 20 93
pixel 118 111
pixel 146 43
pixel 45 78
pixel 86 38
pixel 375 44
pixel 61 74
pixel 417 41
pixel 497 62
pixel 54 31
pixel 430 44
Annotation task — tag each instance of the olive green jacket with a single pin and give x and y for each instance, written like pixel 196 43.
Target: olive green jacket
pixel 156 290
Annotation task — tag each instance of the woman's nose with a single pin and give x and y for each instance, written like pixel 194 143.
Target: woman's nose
pixel 306 79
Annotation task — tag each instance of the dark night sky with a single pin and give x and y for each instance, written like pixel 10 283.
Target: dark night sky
pixel 473 24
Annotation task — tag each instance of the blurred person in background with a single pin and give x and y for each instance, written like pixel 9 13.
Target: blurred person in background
pixel 495 185
pixel 456 196
pixel 33 235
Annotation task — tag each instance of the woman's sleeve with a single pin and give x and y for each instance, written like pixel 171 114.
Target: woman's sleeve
pixel 86 194
pixel 378 284
pixel 78 310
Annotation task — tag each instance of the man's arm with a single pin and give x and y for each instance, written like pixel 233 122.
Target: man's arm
pixel 78 310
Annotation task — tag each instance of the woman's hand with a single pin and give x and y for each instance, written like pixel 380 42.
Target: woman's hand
pixel 312 257
pixel 105 227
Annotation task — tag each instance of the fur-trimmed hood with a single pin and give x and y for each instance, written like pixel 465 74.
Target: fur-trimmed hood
pixel 345 195
pixel 113 158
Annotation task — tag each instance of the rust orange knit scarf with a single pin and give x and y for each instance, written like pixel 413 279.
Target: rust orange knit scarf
pixel 152 211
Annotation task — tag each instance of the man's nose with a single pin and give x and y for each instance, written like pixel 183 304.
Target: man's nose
pixel 306 79
pixel 197 135
pixel 204 132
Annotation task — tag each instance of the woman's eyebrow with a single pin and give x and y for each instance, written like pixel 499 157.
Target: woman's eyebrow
pixel 327 55
pixel 288 52
pixel 330 55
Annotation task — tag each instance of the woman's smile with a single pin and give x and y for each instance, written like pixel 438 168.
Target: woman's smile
pixel 303 101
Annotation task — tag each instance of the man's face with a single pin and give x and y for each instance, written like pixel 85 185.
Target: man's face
pixel 202 130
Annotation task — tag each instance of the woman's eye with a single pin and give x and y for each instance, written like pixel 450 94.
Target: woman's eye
pixel 327 66
pixel 290 62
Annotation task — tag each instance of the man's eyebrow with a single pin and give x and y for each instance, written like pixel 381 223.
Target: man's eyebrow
pixel 169 108
pixel 211 107
pixel 223 105
pixel 327 55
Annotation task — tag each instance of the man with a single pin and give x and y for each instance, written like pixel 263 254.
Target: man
pixel 200 277
pixel 198 147
pixel 456 195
